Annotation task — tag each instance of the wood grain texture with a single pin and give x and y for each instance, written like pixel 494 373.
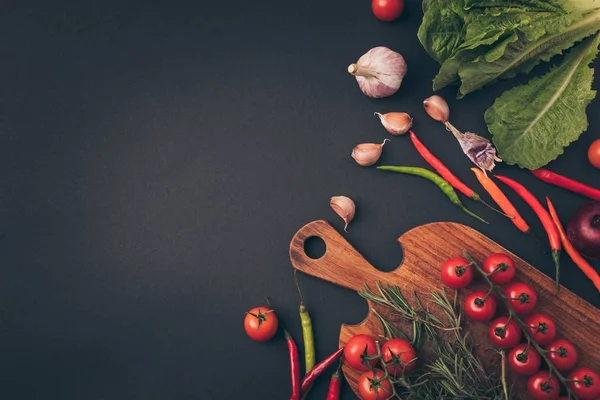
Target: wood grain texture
pixel 425 248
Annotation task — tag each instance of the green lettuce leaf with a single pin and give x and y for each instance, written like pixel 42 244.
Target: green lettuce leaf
pixel 545 37
pixel 531 5
pixel 533 123
pixel 441 31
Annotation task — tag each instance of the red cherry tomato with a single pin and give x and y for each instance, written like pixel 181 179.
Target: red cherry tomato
pixel 524 360
pixel 479 307
pixel 562 354
pixel 594 153
pixel 399 355
pixel 261 324
pixel 387 10
pixel 500 268
pixel 357 351
pixel 457 273
pixel 542 387
pixel 504 333
pixel 542 328
pixel 372 385
pixel 585 383
pixel 521 297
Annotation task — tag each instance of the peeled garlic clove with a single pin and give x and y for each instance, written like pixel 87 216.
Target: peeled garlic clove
pixel 396 123
pixel 437 108
pixel 367 154
pixel 344 207
pixel 379 72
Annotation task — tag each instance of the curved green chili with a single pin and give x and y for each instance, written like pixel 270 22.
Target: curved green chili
pixel 435 178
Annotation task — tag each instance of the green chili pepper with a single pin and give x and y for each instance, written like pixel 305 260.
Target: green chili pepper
pixel 307 334
pixel 309 340
pixel 435 178
pixel 307 331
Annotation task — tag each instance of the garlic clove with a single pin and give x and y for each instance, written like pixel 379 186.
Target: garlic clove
pixel 437 108
pixel 344 207
pixel 379 72
pixel 367 154
pixel 396 123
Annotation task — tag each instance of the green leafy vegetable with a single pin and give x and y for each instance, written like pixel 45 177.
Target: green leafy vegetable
pixel 478 42
pixel 531 124
pixel 518 55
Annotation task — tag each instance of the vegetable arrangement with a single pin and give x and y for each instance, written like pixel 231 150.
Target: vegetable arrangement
pixel 261 324
pixel 478 43
pixel 483 155
pixel 539 331
pixel 394 370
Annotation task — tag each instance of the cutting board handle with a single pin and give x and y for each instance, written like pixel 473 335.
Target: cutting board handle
pixel 351 273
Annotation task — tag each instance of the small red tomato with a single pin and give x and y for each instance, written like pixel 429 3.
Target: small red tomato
pixel 585 383
pixel 500 268
pixel 524 360
pixel 594 153
pixel 541 386
pixel 457 273
pixel 505 333
pixel 387 10
pixel 399 355
pixel 480 306
pixel 373 385
pixel 562 354
pixel 358 352
pixel 542 328
pixel 521 297
pixel 261 324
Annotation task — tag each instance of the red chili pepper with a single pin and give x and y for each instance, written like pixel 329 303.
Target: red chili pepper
pixel 542 214
pixel 566 183
pixel 294 365
pixel 335 385
pixel 445 172
pixel 577 258
pixel 318 369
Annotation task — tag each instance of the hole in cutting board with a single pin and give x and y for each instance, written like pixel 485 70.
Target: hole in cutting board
pixel 314 247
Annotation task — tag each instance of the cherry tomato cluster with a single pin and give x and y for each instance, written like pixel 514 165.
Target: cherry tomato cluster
pixel 360 353
pixel 506 333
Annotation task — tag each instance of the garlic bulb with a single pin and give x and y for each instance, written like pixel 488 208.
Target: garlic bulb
pixel 367 154
pixel 396 123
pixel 437 108
pixel 379 72
pixel 344 207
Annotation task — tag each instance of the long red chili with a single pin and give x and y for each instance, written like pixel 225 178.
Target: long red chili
pixel 294 365
pixel 577 258
pixel 566 183
pixel 542 214
pixel 318 369
pixel 441 169
pixel 335 385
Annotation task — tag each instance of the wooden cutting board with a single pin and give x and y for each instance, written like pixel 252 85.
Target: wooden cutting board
pixel 425 248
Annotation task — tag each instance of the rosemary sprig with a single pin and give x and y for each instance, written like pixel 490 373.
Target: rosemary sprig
pixel 455 371
pixel 523 327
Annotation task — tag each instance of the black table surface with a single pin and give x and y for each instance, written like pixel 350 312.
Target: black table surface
pixel 158 156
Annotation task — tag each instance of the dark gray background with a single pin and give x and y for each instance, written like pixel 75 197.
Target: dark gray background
pixel 158 156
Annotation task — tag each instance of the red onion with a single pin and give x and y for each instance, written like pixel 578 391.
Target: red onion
pixel 583 230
